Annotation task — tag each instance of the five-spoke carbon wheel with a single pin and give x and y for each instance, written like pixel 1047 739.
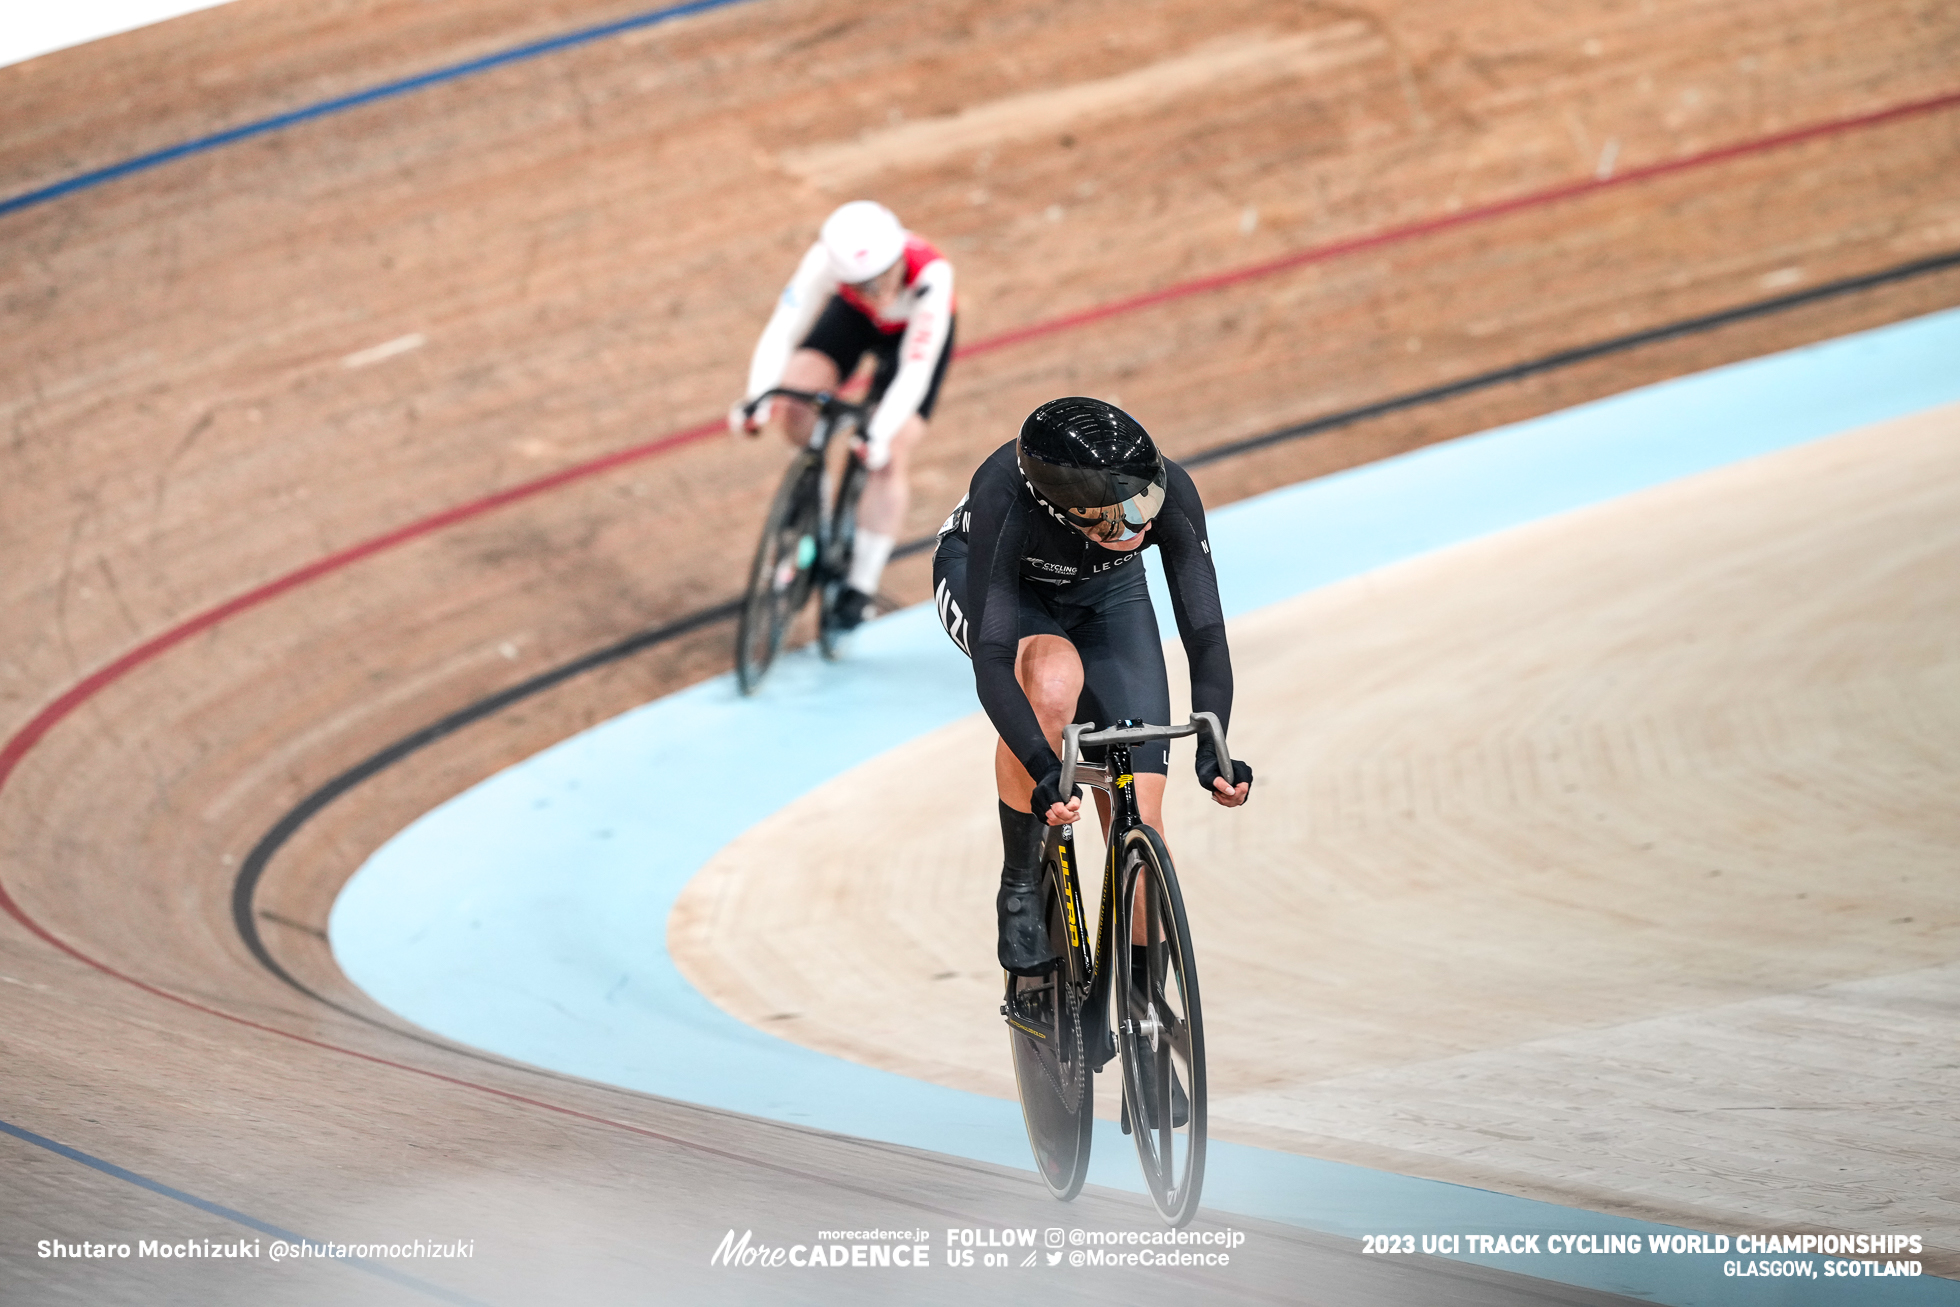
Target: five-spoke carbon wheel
pixel 1159 1031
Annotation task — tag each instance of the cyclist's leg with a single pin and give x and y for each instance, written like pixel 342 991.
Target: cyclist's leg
pixel 837 340
pixel 881 510
pixel 1050 673
pixel 807 369
pixel 888 490
pixel 1051 676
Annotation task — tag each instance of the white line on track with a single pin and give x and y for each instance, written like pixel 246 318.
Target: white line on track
pixel 387 349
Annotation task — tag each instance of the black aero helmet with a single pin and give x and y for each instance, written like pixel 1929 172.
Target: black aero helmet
pixel 1092 465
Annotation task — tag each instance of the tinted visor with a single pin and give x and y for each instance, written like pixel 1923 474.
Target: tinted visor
pixel 1120 521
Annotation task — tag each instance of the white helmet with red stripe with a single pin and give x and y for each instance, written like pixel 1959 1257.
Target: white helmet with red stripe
pixel 863 238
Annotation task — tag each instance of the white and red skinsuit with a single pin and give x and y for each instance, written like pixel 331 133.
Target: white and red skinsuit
pixel 923 312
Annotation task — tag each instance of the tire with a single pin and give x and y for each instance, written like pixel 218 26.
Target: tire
pixel 1044 1031
pixel 839 537
pixel 782 573
pixel 1160 1031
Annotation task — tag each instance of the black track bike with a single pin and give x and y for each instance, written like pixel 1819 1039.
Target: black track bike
pixel 1112 1000
pixel 806 541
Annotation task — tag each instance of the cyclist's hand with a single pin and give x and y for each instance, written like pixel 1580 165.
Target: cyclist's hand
pixel 1226 795
pixel 1046 801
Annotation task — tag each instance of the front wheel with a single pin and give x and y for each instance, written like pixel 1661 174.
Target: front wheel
pixel 1159 1030
pixel 1044 1031
pixel 782 573
pixel 839 546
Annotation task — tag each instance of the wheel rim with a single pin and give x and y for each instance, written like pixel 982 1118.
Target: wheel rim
pixel 1160 1030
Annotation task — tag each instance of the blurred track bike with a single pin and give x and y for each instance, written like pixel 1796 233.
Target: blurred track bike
pixel 1134 1001
pixel 806 539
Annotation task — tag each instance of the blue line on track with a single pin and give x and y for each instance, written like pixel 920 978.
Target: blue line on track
pixel 239 1218
pixel 385 91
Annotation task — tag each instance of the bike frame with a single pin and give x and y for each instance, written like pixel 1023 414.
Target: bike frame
pixel 1115 778
pixel 1118 780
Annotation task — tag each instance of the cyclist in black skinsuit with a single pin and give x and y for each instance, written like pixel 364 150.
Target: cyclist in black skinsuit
pixel 1038 577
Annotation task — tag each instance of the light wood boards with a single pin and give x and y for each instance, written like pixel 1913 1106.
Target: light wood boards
pixel 588 243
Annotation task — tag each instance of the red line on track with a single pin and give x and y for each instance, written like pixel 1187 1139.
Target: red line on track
pixel 25 739
pixel 1429 226
pixel 30 734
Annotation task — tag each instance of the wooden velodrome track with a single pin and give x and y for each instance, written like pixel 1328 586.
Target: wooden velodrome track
pixel 568 256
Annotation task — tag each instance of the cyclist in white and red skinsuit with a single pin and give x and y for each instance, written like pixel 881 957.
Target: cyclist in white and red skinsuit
pixel 866 286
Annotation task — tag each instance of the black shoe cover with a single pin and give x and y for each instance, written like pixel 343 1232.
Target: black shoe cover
pixel 1024 948
pixel 849 610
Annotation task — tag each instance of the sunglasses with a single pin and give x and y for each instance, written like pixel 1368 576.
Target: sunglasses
pixel 1118 522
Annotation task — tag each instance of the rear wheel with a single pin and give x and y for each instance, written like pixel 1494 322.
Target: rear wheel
pixel 1159 1029
pixel 1044 1029
pixel 782 573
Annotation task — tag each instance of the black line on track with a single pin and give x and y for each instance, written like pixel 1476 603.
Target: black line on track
pixel 253 868
pixel 1581 354
pixel 245 886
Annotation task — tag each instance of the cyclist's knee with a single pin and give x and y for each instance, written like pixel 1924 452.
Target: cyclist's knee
pixel 810 369
pixel 1050 674
pixel 1052 694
